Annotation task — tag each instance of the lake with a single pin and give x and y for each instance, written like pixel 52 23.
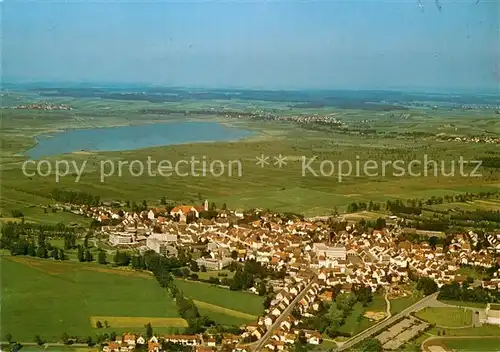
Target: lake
pixel 133 137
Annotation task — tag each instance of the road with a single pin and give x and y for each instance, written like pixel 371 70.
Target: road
pixel 424 302
pixel 259 345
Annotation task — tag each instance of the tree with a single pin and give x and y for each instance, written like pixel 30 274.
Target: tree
pixel 8 338
pixel 163 201
pixel 55 254
pixel 61 254
pixel 81 254
pixel 370 345
pixel 262 289
pixel 427 285
pixel 112 336
pixel 98 324
pixel 88 256
pixel 194 266
pixel 106 324
pixel 234 255
pixel 101 257
pixel 203 269
pixel 89 341
pixel 41 252
pixel 149 330
pixel 122 258
pixel 65 338
pixel 39 341
pixel 31 249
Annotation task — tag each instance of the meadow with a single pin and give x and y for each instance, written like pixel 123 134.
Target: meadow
pixel 244 302
pixel 446 316
pixel 400 304
pixel 281 189
pixel 355 322
pixel 46 298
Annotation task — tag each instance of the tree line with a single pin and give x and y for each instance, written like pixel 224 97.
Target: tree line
pixel 72 197
pixel 455 291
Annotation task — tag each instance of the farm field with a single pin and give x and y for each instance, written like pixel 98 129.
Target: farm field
pixel 226 311
pixel 241 302
pixel 42 297
pixel 52 348
pixel 224 319
pixel 124 322
pixel 446 316
pixel 281 189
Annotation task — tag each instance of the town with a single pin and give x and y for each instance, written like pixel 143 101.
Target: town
pixel 321 258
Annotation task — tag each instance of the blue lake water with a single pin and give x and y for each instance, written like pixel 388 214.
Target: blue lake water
pixel 133 137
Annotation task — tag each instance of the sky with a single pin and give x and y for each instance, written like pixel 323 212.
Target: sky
pixel 382 44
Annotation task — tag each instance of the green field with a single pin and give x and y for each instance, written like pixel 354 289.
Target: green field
pixel 239 301
pixel 400 304
pixel 48 290
pixel 284 189
pixel 446 316
pixel 466 345
pixel 354 324
pixel 486 344
pixel 485 330
pixel 224 319
pixel 47 298
pixel 465 304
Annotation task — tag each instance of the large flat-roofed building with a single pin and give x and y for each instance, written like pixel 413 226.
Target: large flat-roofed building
pixel 330 252
pixel 214 264
pixel 493 314
pixel 121 238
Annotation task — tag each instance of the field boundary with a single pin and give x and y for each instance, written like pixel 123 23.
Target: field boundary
pixel 138 322
pixel 227 311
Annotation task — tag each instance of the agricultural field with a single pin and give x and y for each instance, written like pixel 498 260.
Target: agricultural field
pixel 47 298
pixel 446 316
pixel 281 189
pixel 109 295
pixel 224 319
pixel 217 299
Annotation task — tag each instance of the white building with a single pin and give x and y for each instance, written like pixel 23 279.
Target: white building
pixel 214 264
pixel 493 314
pixel 121 238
